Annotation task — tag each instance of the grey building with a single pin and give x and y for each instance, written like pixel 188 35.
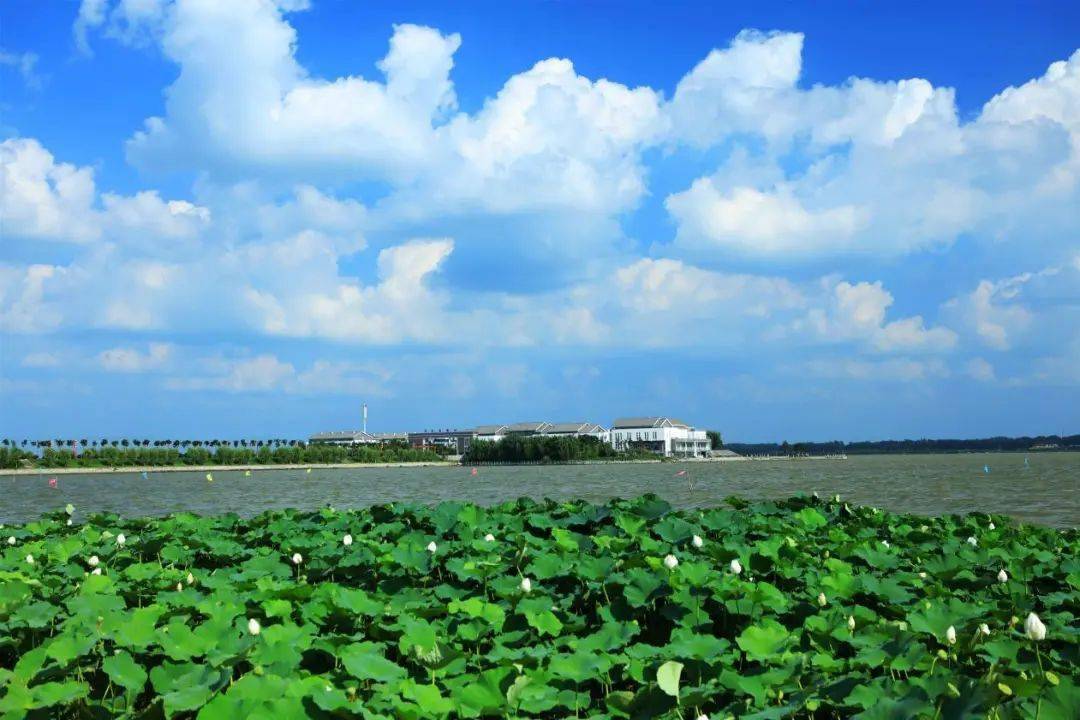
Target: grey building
pixel 457 441
pixel 343 437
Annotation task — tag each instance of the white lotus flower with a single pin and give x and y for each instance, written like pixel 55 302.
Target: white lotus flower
pixel 297 558
pixel 29 559
pixel 984 629
pixel 11 540
pixel 179 587
pixel 671 562
pixel 992 526
pixel 696 541
pixel 1034 628
pixel 254 627
pixel 93 561
pixel 702 716
pixel 885 543
pixel 950 635
pixel 96 571
pixel 736 566
pixel 347 540
pixel 1003 577
pixel 526 585
pixel 972 542
pixel 190 579
pixel 922 575
pixel 821 600
pixel 851 622
pixel 489 538
pixel 120 539
pixel 432 547
pixel 69 522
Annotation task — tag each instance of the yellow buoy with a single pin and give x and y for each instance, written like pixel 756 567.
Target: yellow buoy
pixel 247 473
pixel 209 477
pixel 309 470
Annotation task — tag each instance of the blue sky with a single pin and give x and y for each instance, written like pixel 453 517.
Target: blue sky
pixel 777 220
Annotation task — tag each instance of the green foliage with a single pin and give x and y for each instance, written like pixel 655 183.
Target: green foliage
pixel 548 449
pixel 386 628
pixel 213 452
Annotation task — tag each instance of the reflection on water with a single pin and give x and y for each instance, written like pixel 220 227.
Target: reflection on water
pixel 1047 491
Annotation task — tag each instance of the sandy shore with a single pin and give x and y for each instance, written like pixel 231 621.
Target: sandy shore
pixel 135 469
pixel 214 468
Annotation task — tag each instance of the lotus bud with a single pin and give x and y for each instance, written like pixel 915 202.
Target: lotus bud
pixel 69 522
pixel 992 526
pixel 179 587
pixel 96 571
pixel 489 538
pixel 432 547
pixel 1034 628
pixel 526 585
pixel 972 542
pixel 93 561
pixel 1003 577
pixel 950 635
pixel 69 509
pixel 922 575
pixel 702 716
pixel 190 579
pixel 696 541
pixel 851 623
pixel 11 540
pixel 821 600
pixel 671 562
pixel 984 629
pixel 120 539
pixel 297 558
pixel 736 566
pixel 254 627
pixel 29 559
pixel 347 540
pixel 885 543
pixel 836 498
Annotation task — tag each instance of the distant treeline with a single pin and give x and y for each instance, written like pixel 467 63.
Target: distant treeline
pixel 886 447
pixel 212 452
pixel 547 448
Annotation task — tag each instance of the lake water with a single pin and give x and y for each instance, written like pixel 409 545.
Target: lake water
pixel 1046 491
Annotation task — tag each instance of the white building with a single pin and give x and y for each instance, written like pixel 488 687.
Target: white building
pixel 491 433
pixel 661 435
pixel 344 437
pixel 575 429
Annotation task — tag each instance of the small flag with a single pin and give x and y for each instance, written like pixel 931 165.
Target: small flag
pixel 52 482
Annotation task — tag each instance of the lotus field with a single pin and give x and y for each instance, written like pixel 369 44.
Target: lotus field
pixel 805 608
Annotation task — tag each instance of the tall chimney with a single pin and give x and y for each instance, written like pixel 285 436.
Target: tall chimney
pixel 365 417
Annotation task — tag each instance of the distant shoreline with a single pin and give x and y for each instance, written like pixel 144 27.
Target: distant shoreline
pixel 136 469
pixel 213 468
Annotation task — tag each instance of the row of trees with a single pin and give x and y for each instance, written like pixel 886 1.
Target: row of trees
pixel 294 453
pixel 547 449
pixel 886 447
pixel 128 442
